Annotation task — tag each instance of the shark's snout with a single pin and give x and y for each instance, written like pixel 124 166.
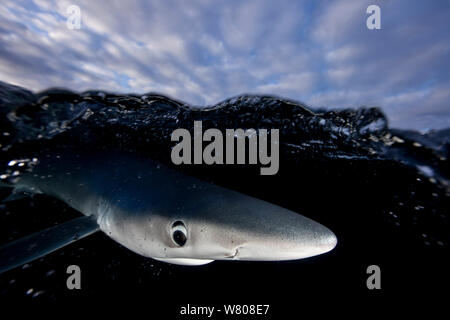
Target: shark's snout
pixel 301 244
pixel 261 231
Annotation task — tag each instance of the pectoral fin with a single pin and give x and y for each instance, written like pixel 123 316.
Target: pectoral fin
pixel 44 242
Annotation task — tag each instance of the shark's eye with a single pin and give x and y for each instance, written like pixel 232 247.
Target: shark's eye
pixel 179 233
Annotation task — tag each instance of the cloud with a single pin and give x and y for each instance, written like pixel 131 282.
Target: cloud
pixel 299 82
pixel 318 52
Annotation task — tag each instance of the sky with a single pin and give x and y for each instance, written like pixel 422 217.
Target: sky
pixel 320 53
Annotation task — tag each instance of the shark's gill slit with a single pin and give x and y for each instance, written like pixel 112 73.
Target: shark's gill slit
pixel 179 233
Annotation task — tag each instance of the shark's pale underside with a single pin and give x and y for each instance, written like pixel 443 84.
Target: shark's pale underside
pixel 161 213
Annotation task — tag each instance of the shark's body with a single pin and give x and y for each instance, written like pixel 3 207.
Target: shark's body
pixel 163 214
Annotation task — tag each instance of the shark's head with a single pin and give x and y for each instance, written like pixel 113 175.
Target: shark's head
pixel 223 226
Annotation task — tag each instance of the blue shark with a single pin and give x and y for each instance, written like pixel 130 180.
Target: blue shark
pixel 161 213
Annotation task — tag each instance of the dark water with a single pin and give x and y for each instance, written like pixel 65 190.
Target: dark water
pixel 384 192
